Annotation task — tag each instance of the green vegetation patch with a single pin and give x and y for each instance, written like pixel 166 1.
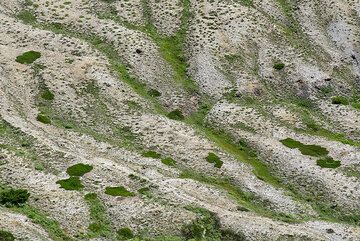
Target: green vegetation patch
pixel 207 227
pixel 309 150
pixel 6 236
pixel 28 57
pixel 28 17
pixel 154 93
pixel 118 191
pixel 100 225
pixel 72 183
pixel 213 158
pixel 47 95
pixel 125 234
pixel 79 169
pixel 339 100
pixel 279 66
pixel 328 162
pixel 43 118
pixel 168 161
pixel 152 154
pixel 14 197
pixel 176 115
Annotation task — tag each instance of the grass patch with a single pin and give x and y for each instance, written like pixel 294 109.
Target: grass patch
pixel 118 191
pixel 279 66
pixel 213 158
pixel 207 227
pixel 28 17
pixel 72 183
pixel 43 118
pixel 79 169
pixel 176 115
pixel 151 154
pixel 339 100
pixel 14 197
pixel 124 234
pixel 6 236
pixel 154 93
pixel 328 162
pixel 246 200
pixel 47 95
pixel 28 57
pixel 52 227
pixel 168 161
pixel 309 150
pixel 100 225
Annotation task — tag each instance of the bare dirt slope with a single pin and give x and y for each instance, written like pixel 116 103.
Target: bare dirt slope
pixel 180 120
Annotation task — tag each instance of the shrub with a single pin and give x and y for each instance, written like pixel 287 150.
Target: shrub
pixel 279 66
pixel 43 118
pixel 213 158
pixel 79 169
pixel 154 93
pixel 14 197
pixel 339 100
pixel 118 191
pixel 328 162
pixel 176 115
pixel 6 236
pixel 125 234
pixel 28 57
pixel 152 154
pixel 168 161
pixel 72 183
pixel 27 17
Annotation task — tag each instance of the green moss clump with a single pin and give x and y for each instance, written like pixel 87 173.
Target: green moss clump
pixel 213 158
pixel 168 161
pixel 328 162
pixel 72 183
pixel 43 118
pixel 118 191
pixel 14 197
pixel 28 57
pixel 47 95
pixel 176 115
pixel 125 234
pixel 309 150
pixel 79 169
pixel 152 154
pixel 6 236
pixel 279 66
pixel 339 100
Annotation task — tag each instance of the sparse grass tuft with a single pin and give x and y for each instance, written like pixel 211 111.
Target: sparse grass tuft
pixel 47 95
pixel 79 169
pixel 168 161
pixel 43 118
pixel 152 154
pixel 28 57
pixel 118 191
pixel 154 93
pixel 176 115
pixel 125 234
pixel 339 100
pixel 100 225
pixel 72 183
pixel 213 158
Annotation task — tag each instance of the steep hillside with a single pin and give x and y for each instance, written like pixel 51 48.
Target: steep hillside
pixel 180 120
